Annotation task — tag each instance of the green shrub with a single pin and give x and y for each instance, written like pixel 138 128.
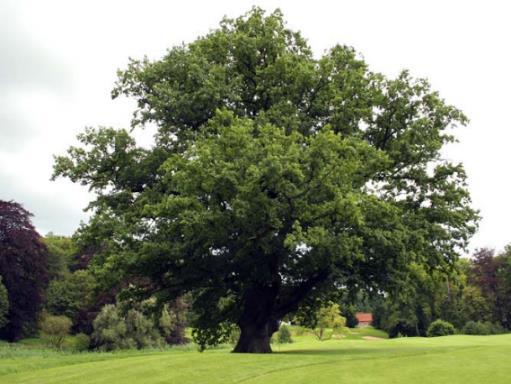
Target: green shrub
pixel 55 329
pixel 495 328
pixel 470 328
pixel 284 335
pixel 234 335
pixel 299 330
pixel 112 330
pixel 400 328
pixel 440 328
pixel 325 321
pixel 142 330
pixel 166 322
pixel 482 328
pixel 81 342
pixel 350 314
pixel 474 328
pixel 70 294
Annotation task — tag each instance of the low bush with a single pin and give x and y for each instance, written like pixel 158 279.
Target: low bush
pixel 81 342
pixel 496 328
pixel 440 328
pixel 142 330
pixel 474 328
pixel 482 328
pixel 234 335
pixel 55 329
pixel 326 321
pixel 400 328
pixel 112 330
pixel 284 335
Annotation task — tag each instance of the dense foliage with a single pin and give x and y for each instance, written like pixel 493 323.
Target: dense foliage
pixel 275 178
pixel 115 330
pixel 74 292
pixel 61 253
pixel 4 304
pixel 55 329
pixel 326 319
pixel 349 313
pixel 482 328
pixel 475 299
pixel 284 335
pixel 23 267
pixel 492 275
pixel 70 294
pixel 440 328
pixel 110 330
pixel 81 342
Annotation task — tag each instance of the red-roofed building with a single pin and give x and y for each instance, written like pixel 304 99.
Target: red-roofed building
pixel 365 319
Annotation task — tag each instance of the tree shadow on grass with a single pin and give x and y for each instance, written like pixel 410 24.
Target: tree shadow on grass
pixel 337 352
pixel 392 352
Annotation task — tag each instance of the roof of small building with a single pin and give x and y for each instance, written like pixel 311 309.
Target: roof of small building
pixel 364 317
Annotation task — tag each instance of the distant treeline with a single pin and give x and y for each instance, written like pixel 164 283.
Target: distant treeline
pixel 43 279
pixel 475 297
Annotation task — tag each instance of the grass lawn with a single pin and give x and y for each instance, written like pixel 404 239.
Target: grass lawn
pixel 350 359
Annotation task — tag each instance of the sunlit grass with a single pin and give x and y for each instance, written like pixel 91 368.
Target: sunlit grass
pixel 349 359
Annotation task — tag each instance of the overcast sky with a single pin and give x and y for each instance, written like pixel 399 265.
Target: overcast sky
pixel 58 61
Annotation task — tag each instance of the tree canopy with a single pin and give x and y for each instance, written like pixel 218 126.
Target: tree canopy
pixel 23 268
pixel 275 180
pixel 4 304
pixel 61 251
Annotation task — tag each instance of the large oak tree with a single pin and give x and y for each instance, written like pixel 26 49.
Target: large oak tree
pixel 276 179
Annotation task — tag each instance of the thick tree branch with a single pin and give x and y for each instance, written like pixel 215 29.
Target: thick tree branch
pixel 300 292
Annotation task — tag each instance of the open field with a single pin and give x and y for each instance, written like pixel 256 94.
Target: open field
pixel 453 359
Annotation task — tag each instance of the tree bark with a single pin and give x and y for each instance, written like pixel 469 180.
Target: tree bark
pixel 256 338
pixel 263 309
pixel 258 322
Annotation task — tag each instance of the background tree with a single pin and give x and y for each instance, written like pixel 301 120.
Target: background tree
pixel 23 267
pixel 349 313
pixel 483 273
pixel 61 252
pixel 327 318
pixel 491 274
pixel 474 306
pixel 275 178
pixel 4 304
pixel 475 298
pixel 504 289
pixel 71 294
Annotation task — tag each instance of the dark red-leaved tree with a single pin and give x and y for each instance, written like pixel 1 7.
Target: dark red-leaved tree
pixel 23 267
pixel 484 272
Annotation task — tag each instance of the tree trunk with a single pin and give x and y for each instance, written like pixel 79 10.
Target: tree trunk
pixel 255 339
pixel 262 311
pixel 258 322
